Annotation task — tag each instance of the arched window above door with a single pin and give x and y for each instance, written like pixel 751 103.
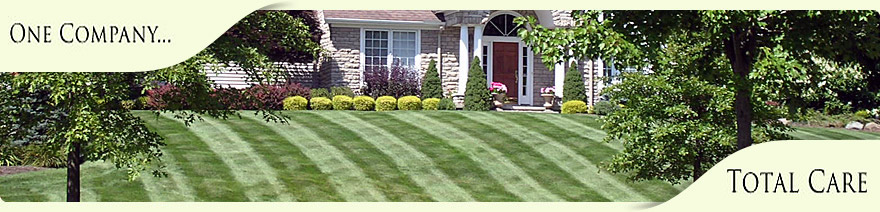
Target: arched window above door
pixel 501 25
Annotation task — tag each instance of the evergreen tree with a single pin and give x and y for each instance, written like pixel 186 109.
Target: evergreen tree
pixel 431 85
pixel 573 88
pixel 476 95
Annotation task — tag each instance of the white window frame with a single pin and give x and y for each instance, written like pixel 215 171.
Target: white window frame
pixel 530 66
pixel 390 57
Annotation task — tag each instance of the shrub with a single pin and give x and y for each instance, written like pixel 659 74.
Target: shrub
pixel 364 103
pixel 341 90
pixel 166 97
pixel 386 103
pixel 605 107
pixel 397 82
pixel 409 103
pixel 142 102
pixel 573 86
pixel 130 104
pixel 321 103
pixel 476 96
pixel 231 98
pixel 430 103
pixel 271 96
pixel 295 103
pixel 574 106
pixel 431 84
pixel 320 92
pixel 446 104
pixel 342 102
pixel 862 114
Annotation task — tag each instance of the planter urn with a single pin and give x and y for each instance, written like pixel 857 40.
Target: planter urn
pixel 548 100
pixel 498 99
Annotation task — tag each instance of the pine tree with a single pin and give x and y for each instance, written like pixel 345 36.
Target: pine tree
pixel 431 87
pixel 573 88
pixel 476 95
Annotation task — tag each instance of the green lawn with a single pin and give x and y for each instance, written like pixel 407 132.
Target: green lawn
pixel 373 156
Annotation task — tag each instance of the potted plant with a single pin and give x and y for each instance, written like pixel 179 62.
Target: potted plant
pixel 499 92
pixel 549 93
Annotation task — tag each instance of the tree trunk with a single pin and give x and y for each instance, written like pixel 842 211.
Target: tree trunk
pixel 73 162
pixel 738 48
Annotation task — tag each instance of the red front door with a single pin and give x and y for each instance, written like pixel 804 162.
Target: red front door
pixel 505 62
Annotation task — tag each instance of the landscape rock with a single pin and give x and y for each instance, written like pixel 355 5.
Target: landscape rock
pixel 784 121
pixel 872 127
pixel 854 125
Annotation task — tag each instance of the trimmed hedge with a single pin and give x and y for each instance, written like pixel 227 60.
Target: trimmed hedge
pixel 476 94
pixel 341 90
pixel 295 103
pixel 573 86
pixel 321 103
pixel 342 102
pixel 574 106
pixel 320 92
pixel 430 103
pixel 446 104
pixel 364 103
pixel 431 84
pixel 386 103
pixel 605 107
pixel 409 103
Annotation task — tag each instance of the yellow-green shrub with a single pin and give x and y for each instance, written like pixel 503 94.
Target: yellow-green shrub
pixel 341 102
pixel 409 103
pixel 364 103
pixel 295 103
pixel 574 106
pixel 321 103
pixel 386 103
pixel 430 103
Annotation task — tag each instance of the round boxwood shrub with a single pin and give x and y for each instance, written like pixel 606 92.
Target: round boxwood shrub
pixel 386 103
pixel 295 103
pixel 430 103
pixel 364 103
pixel 341 102
pixel 409 103
pixel 574 106
pixel 321 103
pixel 446 104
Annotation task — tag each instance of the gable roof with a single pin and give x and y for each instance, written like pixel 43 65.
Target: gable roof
pixel 389 15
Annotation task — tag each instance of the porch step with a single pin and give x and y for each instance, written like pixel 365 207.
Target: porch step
pixel 524 108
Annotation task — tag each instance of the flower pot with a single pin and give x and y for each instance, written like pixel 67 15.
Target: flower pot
pixel 548 100
pixel 498 99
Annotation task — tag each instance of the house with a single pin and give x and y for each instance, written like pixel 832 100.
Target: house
pixel 358 39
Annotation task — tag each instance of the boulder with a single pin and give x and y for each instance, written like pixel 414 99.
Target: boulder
pixel 872 127
pixel 854 125
pixel 784 121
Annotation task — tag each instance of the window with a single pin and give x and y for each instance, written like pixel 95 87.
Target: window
pixel 390 47
pixel 525 69
pixel 501 25
pixel 485 61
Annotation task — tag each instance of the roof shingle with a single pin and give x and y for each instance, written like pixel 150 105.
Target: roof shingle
pixel 391 15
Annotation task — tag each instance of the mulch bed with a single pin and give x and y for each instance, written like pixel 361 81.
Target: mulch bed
pixel 7 170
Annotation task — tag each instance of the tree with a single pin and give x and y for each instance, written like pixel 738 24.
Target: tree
pixel 431 85
pixel 89 122
pixel 739 36
pixel 730 44
pixel 573 87
pixel 476 94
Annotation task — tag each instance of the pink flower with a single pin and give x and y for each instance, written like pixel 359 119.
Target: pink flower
pixel 548 90
pixel 498 87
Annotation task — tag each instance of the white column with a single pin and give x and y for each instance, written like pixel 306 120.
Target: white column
pixel 478 42
pixel 463 59
pixel 558 78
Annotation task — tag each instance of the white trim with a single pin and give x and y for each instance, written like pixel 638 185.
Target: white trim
pixel 558 78
pixel 462 59
pixel 530 82
pixel 357 23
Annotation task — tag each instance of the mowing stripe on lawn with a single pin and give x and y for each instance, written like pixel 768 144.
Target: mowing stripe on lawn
pixel 103 179
pixel 395 184
pixel 302 178
pixel 205 172
pixel 581 169
pixel 804 135
pixel 170 188
pixel 348 179
pixel 548 174
pixel 654 189
pixel 829 133
pixel 259 179
pixel 456 164
pixel 590 133
pixel 417 165
pixel 512 177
